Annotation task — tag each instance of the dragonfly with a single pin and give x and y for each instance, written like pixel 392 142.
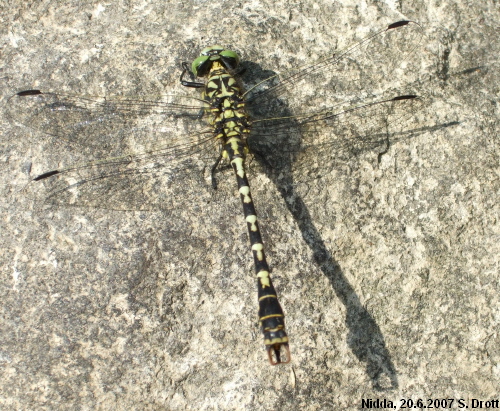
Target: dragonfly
pixel 291 123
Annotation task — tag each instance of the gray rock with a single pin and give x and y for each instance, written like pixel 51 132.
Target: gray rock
pixel 387 267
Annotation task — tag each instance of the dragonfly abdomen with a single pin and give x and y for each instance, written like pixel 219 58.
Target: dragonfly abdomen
pixel 231 126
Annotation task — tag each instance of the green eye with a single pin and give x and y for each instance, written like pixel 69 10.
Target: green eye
pixel 231 55
pixel 208 51
pixel 197 63
pixel 201 65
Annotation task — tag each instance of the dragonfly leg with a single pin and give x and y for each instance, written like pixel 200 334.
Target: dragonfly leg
pixel 212 172
pixel 191 83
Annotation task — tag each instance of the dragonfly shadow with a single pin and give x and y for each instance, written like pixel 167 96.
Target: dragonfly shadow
pixel 151 167
pixel 365 337
pixel 282 156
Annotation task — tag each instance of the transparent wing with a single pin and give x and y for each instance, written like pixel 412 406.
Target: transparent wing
pixel 151 180
pixel 309 146
pixel 355 100
pixel 105 124
pixel 144 148
pixel 157 148
pixel 363 70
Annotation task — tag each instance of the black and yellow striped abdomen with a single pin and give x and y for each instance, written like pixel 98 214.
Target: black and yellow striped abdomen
pixel 231 126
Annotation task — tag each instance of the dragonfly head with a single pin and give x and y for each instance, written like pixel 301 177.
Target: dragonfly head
pixel 201 66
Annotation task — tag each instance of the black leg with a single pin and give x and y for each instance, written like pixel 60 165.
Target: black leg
pixel 212 172
pixel 186 83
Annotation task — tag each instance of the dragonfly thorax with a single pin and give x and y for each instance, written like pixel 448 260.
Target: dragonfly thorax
pixel 227 113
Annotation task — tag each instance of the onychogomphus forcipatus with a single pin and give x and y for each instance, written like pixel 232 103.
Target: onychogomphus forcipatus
pixel 293 123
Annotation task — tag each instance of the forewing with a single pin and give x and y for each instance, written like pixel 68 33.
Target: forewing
pixel 145 152
pixel 384 59
pixel 104 124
